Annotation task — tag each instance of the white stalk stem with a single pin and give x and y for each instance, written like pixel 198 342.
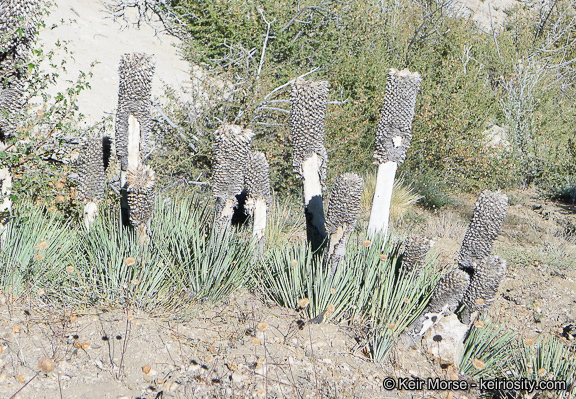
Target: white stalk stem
pixel 123 179
pixel 316 231
pixel 133 142
pixel 6 205
pixel 228 210
pixel 133 163
pixel 259 228
pixel 90 212
pixel 380 214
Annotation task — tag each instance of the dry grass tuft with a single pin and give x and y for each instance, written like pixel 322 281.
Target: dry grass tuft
pixel 446 225
pixel 404 197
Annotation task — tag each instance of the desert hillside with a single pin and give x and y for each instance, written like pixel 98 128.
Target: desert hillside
pixel 281 199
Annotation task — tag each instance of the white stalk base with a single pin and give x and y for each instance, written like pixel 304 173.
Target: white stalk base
pixel 6 205
pixel 334 240
pixel 311 177
pixel 259 227
pixel 89 215
pixel 380 214
pixel 313 208
pixel 133 142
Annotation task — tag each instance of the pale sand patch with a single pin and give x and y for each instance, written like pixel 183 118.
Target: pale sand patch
pixel 489 14
pixel 93 36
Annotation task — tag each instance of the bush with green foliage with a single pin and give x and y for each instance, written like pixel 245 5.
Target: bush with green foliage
pixel 515 78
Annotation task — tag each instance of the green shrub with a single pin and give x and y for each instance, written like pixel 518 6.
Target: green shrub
pixel 517 80
pixel 433 191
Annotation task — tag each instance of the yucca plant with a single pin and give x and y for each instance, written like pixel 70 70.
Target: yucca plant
pixel 547 358
pixel 257 185
pixel 369 285
pixel 133 117
pixel 487 349
pixel 399 297
pixel 232 146
pixel 18 23
pixel 309 157
pixel 283 225
pixel 343 210
pixel 393 138
pixel 91 177
pixel 140 192
pixel 205 262
pixel 293 278
pixel 36 249
pixel 117 269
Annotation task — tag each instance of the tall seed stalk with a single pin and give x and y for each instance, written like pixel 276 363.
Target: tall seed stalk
pixel 309 158
pixel 393 138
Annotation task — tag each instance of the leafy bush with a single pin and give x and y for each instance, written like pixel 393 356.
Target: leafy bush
pixel 516 79
pixel 433 191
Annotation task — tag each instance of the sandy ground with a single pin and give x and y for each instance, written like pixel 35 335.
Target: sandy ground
pixel 92 36
pixel 487 13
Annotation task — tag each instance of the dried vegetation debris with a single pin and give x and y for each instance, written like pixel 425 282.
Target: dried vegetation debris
pixel 141 194
pixel 257 177
pixel 17 27
pixel 231 155
pixel 446 298
pixel 488 217
pixel 91 174
pixel 483 286
pixel 344 203
pixel 449 291
pixel 416 247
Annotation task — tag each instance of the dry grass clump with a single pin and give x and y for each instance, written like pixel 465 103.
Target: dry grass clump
pixel 404 197
pixel 447 225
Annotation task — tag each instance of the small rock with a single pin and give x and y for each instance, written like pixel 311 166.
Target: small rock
pixel 318 345
pixel 446 340
pixel 237 377
pixel 345 367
